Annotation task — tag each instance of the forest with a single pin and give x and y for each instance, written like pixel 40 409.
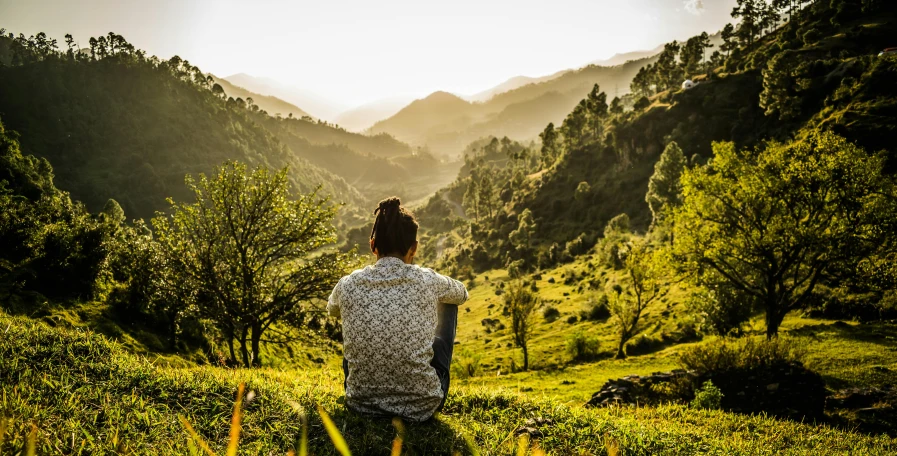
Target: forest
pixel 703 263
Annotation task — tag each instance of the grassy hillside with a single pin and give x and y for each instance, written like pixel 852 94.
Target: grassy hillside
pixel 130 129
pixel 78 393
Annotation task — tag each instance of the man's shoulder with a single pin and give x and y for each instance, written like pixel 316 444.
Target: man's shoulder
pixel 355 275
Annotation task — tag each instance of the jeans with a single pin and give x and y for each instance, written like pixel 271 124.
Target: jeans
pixel 443 345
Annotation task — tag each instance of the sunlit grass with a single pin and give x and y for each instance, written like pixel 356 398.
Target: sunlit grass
pixel 85 395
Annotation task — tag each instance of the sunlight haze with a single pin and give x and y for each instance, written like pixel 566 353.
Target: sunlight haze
pixel 355 52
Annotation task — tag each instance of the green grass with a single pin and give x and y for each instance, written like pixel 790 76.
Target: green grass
pixel 87 395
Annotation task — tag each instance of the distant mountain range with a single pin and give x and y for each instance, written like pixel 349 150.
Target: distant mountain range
pixel 619 59
pixel 362 117
pixel 511 84
pixel 272 105
pixel 446 123
pixel 316 106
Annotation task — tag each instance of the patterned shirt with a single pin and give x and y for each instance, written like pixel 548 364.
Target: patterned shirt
pixel 389 324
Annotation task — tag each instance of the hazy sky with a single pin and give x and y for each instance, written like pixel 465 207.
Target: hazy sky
pixel 356 51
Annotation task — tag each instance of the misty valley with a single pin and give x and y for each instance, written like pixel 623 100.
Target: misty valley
pixel 685 250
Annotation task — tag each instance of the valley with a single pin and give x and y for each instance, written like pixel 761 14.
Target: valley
pixel 725 251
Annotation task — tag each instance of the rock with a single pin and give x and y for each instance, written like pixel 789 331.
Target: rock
pixel 533 432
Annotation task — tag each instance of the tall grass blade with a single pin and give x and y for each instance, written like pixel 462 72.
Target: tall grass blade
pixel 234 442
pixel 400 433
pixel 303 441
pixel 4 424
pixel 522 444
pixel 196 438
pixel 31 442
pixel 334 433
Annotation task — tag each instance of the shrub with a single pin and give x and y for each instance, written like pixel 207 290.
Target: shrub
pixel 583 347
pixel 742 354
pixel 722 308
pixel 551 314
pixel 466 364
pixel 643 344
pixel 596 310
pixel 759 376
pixel 572 319
pixel 708 397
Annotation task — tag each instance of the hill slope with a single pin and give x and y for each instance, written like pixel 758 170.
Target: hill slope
pixel 273 105
pixel 446 123
pixel 128 129
pixel 71 383
pixel 315 105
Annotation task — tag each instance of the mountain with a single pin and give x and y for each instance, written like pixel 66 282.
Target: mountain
pixel 315 105
pixel 812 74
pixel 272 105
pixel 511 84
pixel 362 117
pixel 129 128
pixel 621 58
pixel 445 123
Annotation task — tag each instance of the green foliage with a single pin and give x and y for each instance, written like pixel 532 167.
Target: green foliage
pixel 467 363
pixel 252 255
pixel 774 223
pixel 51 245
pixel 118 124
pixel 709 397
pixel 521 303
pixel 43 373
pixel 743 354
pixel 643 282
pixel 583 346
pixel 664 188
pixel 722 308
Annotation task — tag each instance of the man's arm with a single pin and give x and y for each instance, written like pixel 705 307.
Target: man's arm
pixel 334 302
pixel 448 290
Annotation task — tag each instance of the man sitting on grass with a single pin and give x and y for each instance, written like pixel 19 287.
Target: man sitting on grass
pixel 399 323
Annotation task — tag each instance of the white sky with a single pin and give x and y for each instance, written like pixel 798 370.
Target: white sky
pixel 356 51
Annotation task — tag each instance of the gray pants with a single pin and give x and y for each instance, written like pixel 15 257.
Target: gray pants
pixel 443 345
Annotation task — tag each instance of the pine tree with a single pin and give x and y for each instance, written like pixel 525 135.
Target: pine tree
pixel 664 188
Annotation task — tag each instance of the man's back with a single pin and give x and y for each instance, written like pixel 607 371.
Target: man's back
pixel 389 324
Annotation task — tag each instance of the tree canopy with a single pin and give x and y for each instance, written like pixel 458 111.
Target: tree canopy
pixel 776 222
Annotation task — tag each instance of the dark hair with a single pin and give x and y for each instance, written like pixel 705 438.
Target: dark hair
pixel 395 229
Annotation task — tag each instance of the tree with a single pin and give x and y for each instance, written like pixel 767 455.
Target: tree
pixel 641 285
pixel 471 199
pixel 486 195
pixel 667 70
pixel 526 227
pixel 522 304
pixel 549 150
pixel 750 12
pixel 582 191
pixel 616 106
pixel 728 36
pixel 257 256
pixel 664 188
pixel 775 223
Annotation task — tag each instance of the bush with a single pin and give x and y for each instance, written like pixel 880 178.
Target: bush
pixel 596 310
pixel 708 397
pixel 759 376
pixel 572 319
pixel 643 344
pixel 723 309
pixel 551 314
pixel 583 347
pixel 466 364
pixel 742 354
